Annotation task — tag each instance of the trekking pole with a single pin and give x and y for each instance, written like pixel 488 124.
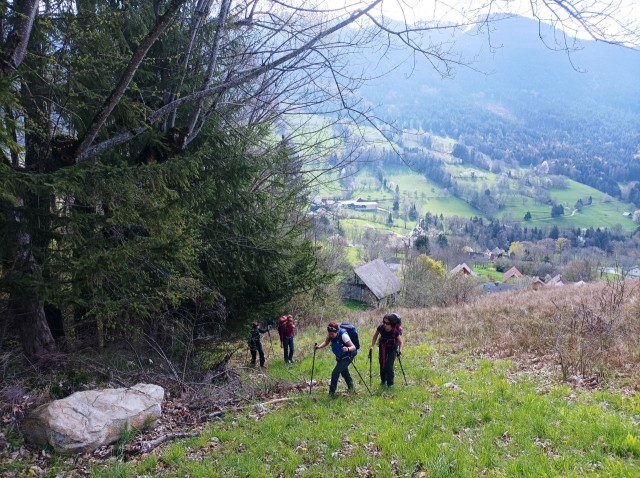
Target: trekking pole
pixel 363 382
pixel 313 365
pixel 402 368
pixel 370 351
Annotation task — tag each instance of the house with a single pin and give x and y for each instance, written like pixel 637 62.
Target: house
pixel 634 273
pixel 373 283
pixel 511 274
pixel 462 268
pixel 496 252
pixel 556 281
pixel 360 205
pixel 537 283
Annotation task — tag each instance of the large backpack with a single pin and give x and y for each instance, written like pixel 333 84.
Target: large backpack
pixel 395 320
pixel 352 331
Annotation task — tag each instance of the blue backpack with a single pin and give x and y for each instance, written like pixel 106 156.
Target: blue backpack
pixel 352 331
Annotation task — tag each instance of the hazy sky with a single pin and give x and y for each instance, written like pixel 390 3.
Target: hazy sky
pixel 605 17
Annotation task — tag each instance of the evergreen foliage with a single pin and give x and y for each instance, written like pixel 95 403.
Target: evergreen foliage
pixel 165 218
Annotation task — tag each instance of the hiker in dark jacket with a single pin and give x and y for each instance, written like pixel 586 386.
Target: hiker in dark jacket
pixel 389 346
pixel 286 330
pixel 255 345
pixel 344 350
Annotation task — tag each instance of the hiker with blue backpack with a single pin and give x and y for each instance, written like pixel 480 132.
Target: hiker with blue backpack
pixel 344 350
pixel 389 346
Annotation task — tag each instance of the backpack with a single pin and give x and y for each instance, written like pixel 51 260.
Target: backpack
pixel 395 320
pixel 352 331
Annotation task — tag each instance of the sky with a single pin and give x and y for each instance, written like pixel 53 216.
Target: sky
pixel 612 20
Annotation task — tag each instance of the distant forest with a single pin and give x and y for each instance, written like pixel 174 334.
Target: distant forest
pixel 532 104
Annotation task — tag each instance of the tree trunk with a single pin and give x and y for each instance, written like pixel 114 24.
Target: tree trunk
pixel 35 335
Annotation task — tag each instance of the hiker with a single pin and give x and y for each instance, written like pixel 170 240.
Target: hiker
pixel 389 346
pixel 286 330
pixel 255 345
pixel 344 349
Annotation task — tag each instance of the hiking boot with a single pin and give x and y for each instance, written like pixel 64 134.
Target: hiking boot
pixel 352 390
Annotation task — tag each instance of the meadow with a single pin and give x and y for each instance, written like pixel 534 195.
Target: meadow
pixel 429 197
pixel 484 397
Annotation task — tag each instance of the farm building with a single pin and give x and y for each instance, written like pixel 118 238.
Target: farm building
pixel 373 283
pixel 556 281
pixel 360 205
pixel 512 273
pixel 462 268
pixel 537 283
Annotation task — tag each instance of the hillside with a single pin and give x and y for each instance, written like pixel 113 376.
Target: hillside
pixel 523 103
pixel 485 396
pixel 509 199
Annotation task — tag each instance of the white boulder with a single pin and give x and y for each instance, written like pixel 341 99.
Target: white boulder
pixel 86 420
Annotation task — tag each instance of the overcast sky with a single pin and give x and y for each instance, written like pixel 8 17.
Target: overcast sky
pixel 607 17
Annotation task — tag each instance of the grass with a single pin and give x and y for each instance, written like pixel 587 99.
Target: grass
pixel 603 212
pixel 356 305
pixel 488 272
pixel 484 398
pixel 468 410
pixel 427 195
pixel 459 416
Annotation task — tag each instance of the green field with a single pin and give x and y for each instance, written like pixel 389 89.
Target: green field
pixel 415 189
pixel 488 272
pixel 603 212
pixel 429 197
pixel 459 416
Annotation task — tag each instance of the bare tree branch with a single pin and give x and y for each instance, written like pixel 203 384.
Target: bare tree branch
pixel 116 95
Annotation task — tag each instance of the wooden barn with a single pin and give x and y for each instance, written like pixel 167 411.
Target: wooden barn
pixel 374 283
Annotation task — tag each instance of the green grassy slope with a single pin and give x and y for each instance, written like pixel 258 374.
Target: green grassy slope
pixel 459 416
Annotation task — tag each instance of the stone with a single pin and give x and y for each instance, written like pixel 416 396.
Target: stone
pixel 87 420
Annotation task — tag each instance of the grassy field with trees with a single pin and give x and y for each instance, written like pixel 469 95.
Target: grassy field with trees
pixel 493 389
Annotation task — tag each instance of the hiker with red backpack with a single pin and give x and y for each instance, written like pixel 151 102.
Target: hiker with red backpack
pixel 286 330
pixel 344 350
pixel 389 346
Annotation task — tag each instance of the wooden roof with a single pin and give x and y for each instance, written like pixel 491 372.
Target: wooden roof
pixel 513 272
pixel 464 268
pixel 379 279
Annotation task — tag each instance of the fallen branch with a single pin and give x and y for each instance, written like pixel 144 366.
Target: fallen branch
pixel 147 446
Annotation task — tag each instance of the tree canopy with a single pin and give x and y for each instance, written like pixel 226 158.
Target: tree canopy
pixel 154 155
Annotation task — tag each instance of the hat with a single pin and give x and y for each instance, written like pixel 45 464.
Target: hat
pixel 332 327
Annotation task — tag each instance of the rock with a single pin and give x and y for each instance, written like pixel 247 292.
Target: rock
pixel 86 420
